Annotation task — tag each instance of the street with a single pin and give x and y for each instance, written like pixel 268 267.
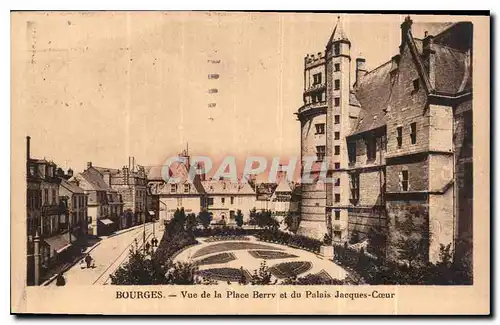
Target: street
pixel 108 255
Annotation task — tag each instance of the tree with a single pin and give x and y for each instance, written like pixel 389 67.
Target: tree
pixel 239 218
pixel 327 239
pixel 265 219
pixel 205 218
pixel 182 273
pixel 140 269
pixel 252 215
pixel 291 221
pixel 377 241
pixel 262 276
pixel 411 240
pixel 190 223
pixel 354 237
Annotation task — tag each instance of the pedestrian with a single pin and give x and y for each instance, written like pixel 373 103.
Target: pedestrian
pixel 88 259
pixel 60 281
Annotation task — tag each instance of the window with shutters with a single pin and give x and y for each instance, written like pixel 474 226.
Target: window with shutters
pixel 399 136
pixel 354 186
pixel 403 180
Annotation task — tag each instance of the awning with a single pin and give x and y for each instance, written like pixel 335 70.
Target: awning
pixel 107 222
pixel 60 243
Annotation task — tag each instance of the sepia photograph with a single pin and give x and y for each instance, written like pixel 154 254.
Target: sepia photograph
pixel 330 157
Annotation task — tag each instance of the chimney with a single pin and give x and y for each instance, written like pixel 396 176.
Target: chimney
pixel 405 28
pixel 107 178
pixel 89 164
pixel 28 147
pixel 360 69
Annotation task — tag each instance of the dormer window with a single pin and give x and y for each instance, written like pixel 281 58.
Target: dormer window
pixel 173 188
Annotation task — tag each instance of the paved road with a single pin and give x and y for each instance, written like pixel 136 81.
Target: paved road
pixel 109 255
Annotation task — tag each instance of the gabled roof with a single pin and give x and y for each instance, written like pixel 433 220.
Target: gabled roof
pixel 73 188
pixel 94 178
pixel 178 170
pixel 283 186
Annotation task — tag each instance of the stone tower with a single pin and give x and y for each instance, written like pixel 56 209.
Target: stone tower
pixel 324 121
pixel 338 84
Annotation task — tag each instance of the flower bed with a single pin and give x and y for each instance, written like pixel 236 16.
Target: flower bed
pixel 269 255
pixel 226 237
pixel 280 237
pixel 224 274
pixel 290 269
pixel 229 246
pixel 224 231
pixel 216 259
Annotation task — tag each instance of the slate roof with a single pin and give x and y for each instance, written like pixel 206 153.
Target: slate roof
pixel 452 70
pixel 178 170
pixel 227 187
pixel 373 93
pixel 338 33
pixel 452 73
pixel 94 178
pixel 283 186
pixel 73 188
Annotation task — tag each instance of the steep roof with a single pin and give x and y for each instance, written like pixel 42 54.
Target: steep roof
pixel 452 70
pixel 94 178
pixel 227 187
pixel 73 188
pixel 373 93
pixel 338 33
pixel 283 186
pixel 178 170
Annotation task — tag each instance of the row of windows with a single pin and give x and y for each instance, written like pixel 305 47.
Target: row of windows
pixel 210 200
pixel 413 134
pixel 318 78
pixel 173 188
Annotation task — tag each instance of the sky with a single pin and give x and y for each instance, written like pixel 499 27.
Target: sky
pixel 102 87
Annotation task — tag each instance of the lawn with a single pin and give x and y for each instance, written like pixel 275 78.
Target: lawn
pixel 270 255
pixel 216 259
pixel 224 274
pixel 230 246
pixel 290 269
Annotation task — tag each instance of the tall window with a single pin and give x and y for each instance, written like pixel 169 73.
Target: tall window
pixel 337 214
pixel 337 67
pixel 371 148
pixel 337 119
pixel 46 196
pixel 337 165
pixel 336 49
pixel 416 85
pixel 413 132
pixel 337 84
pixel 351 151
pixel 232 200
pixel 336 101
pixel 337 181
pixel 320 128
pixel 337 197
pixel 399 136
pixel 320 152
pixel 173 188
pixel 54 196
pixel 337 150
pixel 186 188
pixel 317 79
pixel 222 200
pixel 354 187
pixel 403 180
pixel 337 135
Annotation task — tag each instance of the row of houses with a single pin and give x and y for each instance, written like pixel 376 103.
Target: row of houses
pixel 222 198
pixel 65 211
